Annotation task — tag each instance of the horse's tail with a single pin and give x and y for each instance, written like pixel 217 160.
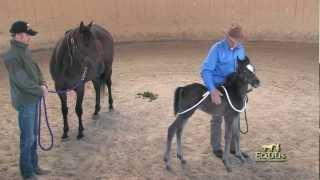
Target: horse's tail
pixel 177 97
pixel 103 84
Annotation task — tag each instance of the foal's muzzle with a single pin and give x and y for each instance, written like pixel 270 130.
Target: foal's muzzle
pixel 256 83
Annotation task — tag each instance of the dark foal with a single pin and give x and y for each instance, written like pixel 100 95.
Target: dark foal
pixel 185 97
pixel 86 53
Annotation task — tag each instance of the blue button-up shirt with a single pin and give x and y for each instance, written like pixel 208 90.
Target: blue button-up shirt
pixel 220 62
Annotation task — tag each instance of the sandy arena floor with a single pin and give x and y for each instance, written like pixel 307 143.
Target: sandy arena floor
pixel 129 142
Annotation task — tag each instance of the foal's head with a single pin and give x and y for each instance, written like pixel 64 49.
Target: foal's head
pixel 245 75
pixel 246 72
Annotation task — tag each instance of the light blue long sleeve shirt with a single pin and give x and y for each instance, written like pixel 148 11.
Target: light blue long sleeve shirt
pixel 220 62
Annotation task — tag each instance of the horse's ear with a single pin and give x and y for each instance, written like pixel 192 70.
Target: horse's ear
pixel 67 31
pixel 91 23
pixel 82 26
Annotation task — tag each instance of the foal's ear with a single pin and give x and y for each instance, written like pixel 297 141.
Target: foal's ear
pixel 244 61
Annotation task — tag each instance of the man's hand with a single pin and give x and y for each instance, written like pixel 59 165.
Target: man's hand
pixel 45 90
pixel 215 96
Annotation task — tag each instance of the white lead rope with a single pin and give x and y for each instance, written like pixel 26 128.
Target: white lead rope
pixel 205 95
pixel 235 109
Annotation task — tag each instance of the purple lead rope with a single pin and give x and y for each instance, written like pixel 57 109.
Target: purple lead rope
pixel 46 114
pixel 48 125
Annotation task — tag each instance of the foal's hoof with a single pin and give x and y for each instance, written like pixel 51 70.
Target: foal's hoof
pixel 80 136
pixel 242 159
pixel 228 168
pixel 245 155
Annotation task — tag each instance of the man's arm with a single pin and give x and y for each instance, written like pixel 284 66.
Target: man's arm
pixel 241 53
pixel 18 76
pixel 208 68
pixel 42 81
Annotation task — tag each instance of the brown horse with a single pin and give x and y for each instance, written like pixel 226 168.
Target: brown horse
pixel 83 54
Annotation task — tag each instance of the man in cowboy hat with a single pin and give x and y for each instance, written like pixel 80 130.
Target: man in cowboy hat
pixel 27 86
pixel 220 62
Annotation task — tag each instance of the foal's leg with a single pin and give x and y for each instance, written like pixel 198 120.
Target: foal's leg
pixel 236 137
pixel 171 131
pixel 80 94
pixel 64 109
pixel 227 139
pixel 177 124
pixel 97 86
pixel 179 147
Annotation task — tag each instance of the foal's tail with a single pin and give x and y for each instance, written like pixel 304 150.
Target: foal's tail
pixel 177 97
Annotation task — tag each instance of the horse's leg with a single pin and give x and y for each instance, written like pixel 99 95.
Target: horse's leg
pixel 109 83
pixel 227 139
pixel 80 94
pixel 97 86
pixel 236 138
pixel 64 109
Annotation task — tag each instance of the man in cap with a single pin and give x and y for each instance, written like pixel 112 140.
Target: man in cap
pixel 220 62
pixel 27 87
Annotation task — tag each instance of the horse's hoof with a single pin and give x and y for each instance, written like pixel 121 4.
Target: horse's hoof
pixel 64 137
pixel 168 168
pixel 95 116
pixel 80 136
pixel 183 161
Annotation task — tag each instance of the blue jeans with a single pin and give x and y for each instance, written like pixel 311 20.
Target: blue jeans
pixel 215 138
pixel 28 125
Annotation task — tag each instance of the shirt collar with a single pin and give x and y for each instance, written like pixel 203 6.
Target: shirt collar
pixel 226 44
pixel 18 44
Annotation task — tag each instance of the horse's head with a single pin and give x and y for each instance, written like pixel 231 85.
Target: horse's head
pixel 82 44
pixel 246 72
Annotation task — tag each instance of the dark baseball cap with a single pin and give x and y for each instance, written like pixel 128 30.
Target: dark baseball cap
pixel 22 27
